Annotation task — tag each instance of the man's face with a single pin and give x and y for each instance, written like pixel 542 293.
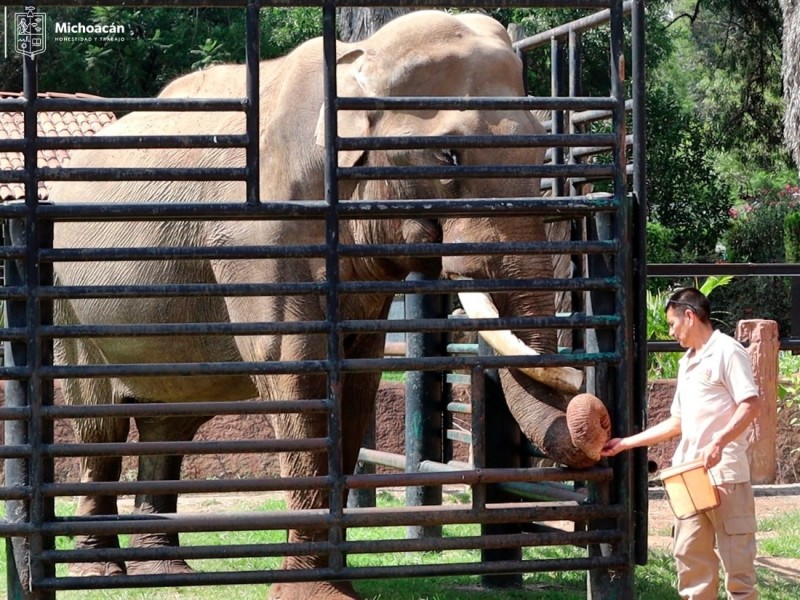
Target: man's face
pixel 680 320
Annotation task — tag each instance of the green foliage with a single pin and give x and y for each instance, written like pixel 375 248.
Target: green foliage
pixel 660 243
pixel 791 237
pixel 756 229
pixel 756 298
pixel 159 45
pixel 728 58
pixel 756 234
pixel 685 193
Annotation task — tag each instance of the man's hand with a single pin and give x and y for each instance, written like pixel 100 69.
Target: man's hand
pixel 613 447
pixel 712 453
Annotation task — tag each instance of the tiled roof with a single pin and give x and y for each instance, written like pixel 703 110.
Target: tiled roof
pixel 54 124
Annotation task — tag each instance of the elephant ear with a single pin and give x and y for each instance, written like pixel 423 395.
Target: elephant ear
pixel 350 82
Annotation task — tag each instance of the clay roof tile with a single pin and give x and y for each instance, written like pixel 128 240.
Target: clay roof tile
pixel 61 124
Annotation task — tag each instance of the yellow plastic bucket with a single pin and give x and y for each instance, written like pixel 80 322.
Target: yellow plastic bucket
pixel 690 489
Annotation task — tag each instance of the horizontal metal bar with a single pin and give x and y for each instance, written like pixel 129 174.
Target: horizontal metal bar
pixel 460 407
pixel 480 206
pixel 307 209
pixel 187 486
pixel 15 529
pixel 17 451
pixel 137 104
pixel 737 269
pixel 177 409
pixel 573 321
pixel 318 519
pixel 427 544
pixel 790 344
pixel 103 142
pixel 185 448
pixel 15 413
pixel 478 141
pixel 475 103
pixel 184 369
pixel 464 437
pixel 444 474
pixel 579 25
pixel 538 491
pixel 184 329
pixel 582 152
pixel 477 285
pixel 618 561
pixel 135 174
pixel 590 116
pixel 311 288
pixel 313 366
pixel 378 3
pixel 181 252
pixel 179 290
pixel 183 210
pixel 316 251
pixel 480 171
pixel 433 363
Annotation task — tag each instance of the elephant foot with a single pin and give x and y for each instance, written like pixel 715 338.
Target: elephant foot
pixel 159 567
pixel 99 569
pixel 96 569
pixel 314 590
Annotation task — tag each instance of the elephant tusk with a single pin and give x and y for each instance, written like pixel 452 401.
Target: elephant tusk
pixel 479 305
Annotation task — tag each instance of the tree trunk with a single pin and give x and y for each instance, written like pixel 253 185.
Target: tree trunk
pixel 791 76
pixel 357 23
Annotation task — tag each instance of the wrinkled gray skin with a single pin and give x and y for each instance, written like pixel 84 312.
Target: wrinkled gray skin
pixel 424 53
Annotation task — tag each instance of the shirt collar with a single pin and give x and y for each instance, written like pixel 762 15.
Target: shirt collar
pixel 691 355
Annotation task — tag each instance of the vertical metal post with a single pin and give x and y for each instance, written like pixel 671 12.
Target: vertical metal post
pixel 424 410
pixel 503 449
pixel 17 472
pixel 617 383
pixel 33 353
pixel 335 462
pixel 639 416
pixel 578 225
pixel 556 90
pixel 252 52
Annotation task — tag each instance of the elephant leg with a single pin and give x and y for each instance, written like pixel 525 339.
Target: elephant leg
pixel 358 399
pixel 96 469
pixel 160 468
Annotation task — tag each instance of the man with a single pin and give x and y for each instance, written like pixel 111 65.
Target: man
pixel 715 402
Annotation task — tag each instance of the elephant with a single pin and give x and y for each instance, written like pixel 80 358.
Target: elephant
pixel 425 53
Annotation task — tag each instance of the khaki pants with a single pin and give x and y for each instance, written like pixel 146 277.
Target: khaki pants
pixel 732 525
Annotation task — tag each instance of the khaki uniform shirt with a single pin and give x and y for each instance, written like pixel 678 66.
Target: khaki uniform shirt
pixel 711 383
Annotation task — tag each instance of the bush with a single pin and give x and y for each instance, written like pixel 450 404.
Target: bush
pixel 791 237
pixel 756 231
pixel 757 235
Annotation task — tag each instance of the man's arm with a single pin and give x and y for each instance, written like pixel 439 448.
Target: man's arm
pixel 745 413
pixel 667 429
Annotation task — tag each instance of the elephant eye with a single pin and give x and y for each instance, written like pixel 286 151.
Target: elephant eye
pixel 449 157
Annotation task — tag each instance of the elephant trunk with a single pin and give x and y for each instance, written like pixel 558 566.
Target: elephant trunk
pixel 568 431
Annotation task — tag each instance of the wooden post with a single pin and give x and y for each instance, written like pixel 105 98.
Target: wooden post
pixel 761 339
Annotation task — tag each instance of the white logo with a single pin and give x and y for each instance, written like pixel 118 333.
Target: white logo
pixel 30 32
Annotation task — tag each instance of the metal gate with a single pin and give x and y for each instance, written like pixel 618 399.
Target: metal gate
pixel 609 524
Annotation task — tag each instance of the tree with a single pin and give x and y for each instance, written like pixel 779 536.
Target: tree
pixel 358 23
pixel 791 76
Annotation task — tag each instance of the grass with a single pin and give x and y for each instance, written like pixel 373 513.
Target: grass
pixel 655 581
pixel 786 539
